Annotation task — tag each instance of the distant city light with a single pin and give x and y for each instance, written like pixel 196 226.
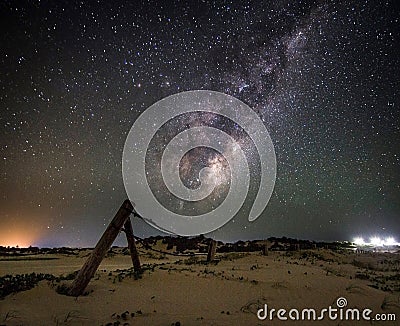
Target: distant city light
pixel 376 241
pixel 390 241
pixel 359 241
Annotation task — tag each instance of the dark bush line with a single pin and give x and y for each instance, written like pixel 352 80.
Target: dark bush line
pixel 22 282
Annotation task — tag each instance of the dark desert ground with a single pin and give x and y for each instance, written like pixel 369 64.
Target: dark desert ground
pixel 178 286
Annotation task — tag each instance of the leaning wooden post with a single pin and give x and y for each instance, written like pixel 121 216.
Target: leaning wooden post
pixel 212 248
pixel 131 245
pixel 92 263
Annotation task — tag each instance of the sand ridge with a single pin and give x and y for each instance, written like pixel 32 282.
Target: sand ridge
pixel 187 291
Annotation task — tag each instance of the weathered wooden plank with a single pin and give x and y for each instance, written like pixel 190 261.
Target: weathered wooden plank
pixel 132 245
pixel 212 248
pixel 92 263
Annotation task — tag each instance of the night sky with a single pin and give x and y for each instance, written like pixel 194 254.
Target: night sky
pixel 323 76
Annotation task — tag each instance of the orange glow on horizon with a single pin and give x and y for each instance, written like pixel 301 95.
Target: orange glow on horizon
pixel 16 240
pixel 17 237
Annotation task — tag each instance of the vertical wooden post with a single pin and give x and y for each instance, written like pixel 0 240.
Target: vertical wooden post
pixel 265 249
pixel 212 248
pixel 131 245
pixel 92 263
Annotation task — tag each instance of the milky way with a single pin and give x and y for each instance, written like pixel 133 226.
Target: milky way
pixel 322 76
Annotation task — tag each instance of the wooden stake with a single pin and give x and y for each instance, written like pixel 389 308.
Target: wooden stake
pixel 265 249
pixel 212 248
pixel 131 245
pixel 92 263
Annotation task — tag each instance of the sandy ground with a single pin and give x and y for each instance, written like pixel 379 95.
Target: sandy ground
pixel 229 292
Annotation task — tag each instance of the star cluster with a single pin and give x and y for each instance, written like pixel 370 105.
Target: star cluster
pixel 323 76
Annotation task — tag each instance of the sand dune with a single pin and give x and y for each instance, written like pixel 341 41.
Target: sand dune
pixel 187 291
